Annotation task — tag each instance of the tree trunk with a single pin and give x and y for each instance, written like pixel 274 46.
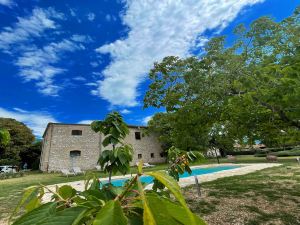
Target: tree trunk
pixel 217 156
pixel 109 175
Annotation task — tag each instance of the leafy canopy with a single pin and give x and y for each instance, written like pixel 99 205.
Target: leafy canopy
pixel 21 138
pixel 248 91
pixel 4 137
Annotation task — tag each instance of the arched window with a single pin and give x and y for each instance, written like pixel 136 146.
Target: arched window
pixel 75 153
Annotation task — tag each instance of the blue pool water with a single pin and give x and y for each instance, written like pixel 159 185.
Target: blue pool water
pixel 195 171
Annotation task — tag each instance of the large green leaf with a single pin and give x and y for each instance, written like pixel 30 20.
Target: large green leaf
pixel 66 191
pixel 173 186
pixel 111 214
pixel 47 215
pixel 173 213
pixel 148 218
pixel 36 215
pixel 29 195
pixel 106 141
pixel 69 216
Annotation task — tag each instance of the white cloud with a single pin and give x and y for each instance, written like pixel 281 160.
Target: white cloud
pixel 38 64
pixel 158 29
pixel 72 12
pixel 85 121
pixel 27 28
pixel 91 16
pixel 94 64
pixel 36 121
pixel 125 111
pixel 93 84
pixel 81 38
pixel 94 92
pixel 8 3
pixel 146 119
pixel 79 78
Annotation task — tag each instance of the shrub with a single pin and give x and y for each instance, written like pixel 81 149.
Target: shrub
pixel 288 153
pixel 4 176
pixel 293 152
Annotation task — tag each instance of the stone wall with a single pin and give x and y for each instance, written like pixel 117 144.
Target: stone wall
pixel 58 142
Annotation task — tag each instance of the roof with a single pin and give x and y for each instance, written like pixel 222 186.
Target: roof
pixel 76 124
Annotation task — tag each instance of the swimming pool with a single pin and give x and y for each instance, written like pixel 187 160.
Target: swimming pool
pixel 195 171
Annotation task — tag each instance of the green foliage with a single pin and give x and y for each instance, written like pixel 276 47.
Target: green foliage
pixel 115 130
pixel 4 137
pixel 4 176
pixel 247 91
pixel 178 164
pixel 21 139
pixel 116 160
pixel 110 205
pixel 31 155
pixel 293 152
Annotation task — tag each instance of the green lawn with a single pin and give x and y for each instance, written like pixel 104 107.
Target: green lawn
pixel 270 196
pixel 11 189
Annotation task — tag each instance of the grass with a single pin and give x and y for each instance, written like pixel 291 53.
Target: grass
pixel 270 196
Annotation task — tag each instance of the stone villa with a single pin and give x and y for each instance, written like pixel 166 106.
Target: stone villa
pixel 77 145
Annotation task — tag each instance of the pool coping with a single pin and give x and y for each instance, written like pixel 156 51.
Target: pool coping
pixel 244 168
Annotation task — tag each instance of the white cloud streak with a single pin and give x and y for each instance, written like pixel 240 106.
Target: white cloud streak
pixel 146 119
pixel 85 121
pixel 39 63
pixel 27 28
pixel 158 29
pixel 8 3
pixel 36 121
pixel 125 111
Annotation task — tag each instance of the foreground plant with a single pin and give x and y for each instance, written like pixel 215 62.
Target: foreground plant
pixel 109 205
pixel 179 163
pixel 119 157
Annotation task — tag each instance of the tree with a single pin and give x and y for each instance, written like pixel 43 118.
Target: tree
pixel 251 89
pixel 115 130
pixel 32 154
pixel 21 138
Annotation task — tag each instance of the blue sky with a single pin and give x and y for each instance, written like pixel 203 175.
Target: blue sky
pixel 75 61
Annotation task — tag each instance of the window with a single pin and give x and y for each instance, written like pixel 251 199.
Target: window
pixel 152 155
pixel 140 156
pixel 75 153
pixel 137 135
pixel 77 132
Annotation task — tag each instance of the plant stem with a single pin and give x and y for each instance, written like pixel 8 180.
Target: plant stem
pixel 119 197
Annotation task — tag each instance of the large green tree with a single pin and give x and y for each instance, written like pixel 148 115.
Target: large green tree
pixel 247 91
pixel 21 138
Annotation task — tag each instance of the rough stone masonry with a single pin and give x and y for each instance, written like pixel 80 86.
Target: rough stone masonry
pixel 76 145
